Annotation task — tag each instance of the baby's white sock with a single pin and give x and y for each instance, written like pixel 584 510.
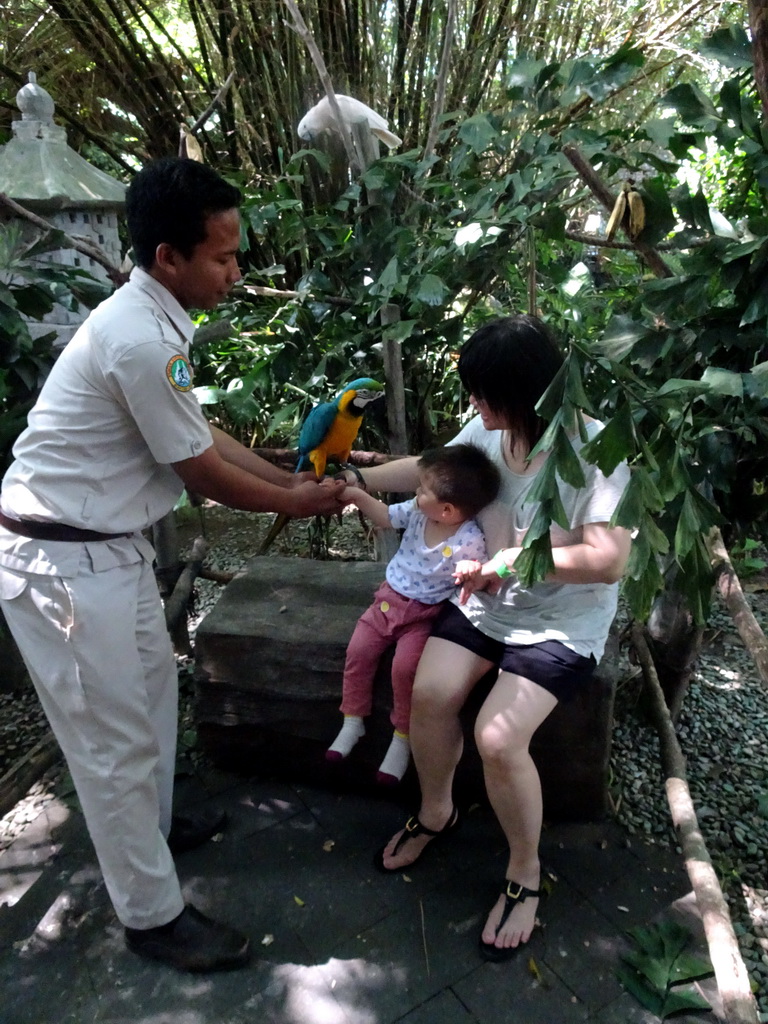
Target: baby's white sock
pixel 351 731
pixel 395 762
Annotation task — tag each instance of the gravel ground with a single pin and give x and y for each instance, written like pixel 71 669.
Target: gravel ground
pixel 722 731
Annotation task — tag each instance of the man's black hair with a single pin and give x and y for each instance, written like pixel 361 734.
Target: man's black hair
pixel 169 201
pixel 461 474
pixel 509 363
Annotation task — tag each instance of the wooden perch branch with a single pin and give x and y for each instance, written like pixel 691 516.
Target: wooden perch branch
pixel 176 605
pixel 286 457
pixel 93 253
pixel 731 975
pixel 727 583
pixel 601 192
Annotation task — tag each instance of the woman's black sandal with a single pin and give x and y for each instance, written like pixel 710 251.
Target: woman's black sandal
pixel 513 894
pixel 413 828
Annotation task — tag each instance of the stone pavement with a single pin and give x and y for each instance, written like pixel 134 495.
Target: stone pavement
pixel 335 942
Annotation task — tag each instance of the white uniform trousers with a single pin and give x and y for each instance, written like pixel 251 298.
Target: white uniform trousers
pixel 97 649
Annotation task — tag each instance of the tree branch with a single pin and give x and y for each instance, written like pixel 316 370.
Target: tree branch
pixel 730 972
pixel 727 583
pixel 603 243
pixel 85 248
pixel 213 104
pixel 593 182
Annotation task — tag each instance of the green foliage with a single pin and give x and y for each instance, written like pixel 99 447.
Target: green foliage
pixel 748 559
pixel 28 291
pixel 675 366
pixel 657 971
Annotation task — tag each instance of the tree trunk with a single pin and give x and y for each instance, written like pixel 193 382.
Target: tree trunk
pixel 675 642
pixel 758 25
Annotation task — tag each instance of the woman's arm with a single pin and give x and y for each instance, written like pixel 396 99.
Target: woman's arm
pixel 398 475
pixel 601 557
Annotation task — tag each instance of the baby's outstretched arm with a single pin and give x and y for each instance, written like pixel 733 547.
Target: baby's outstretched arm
pixel 373 509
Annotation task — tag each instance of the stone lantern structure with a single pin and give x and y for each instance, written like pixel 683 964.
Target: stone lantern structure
pixel 46 176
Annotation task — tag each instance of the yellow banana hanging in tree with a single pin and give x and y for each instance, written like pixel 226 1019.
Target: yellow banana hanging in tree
pixel 617 214
pixel 628 212
pixel 636 214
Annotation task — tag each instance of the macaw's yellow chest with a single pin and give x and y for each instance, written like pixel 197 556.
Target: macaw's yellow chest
pixel 340 438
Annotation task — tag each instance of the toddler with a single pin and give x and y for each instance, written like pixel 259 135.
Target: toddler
pixel 455 483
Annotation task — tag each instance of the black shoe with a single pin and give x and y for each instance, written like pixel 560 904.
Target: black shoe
pixel 191 942
pixel 194 829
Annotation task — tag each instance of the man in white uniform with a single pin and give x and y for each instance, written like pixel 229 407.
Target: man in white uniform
pixel 113 439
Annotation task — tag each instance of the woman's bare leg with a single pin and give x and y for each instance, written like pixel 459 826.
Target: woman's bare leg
pixel 515 708
pixel 444 679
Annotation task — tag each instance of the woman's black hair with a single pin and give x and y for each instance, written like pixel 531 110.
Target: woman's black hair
pixel 509 363
pixel 169 201
pixel 461 474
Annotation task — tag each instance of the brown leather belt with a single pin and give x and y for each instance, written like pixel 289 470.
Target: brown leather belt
pixel 53 531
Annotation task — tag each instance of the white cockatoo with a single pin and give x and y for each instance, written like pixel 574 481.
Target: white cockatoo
pixel 321 119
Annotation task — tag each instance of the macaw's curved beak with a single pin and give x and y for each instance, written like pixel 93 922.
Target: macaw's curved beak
pixel 366 395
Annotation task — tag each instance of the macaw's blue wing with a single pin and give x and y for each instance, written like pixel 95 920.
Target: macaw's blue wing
pixel 314 430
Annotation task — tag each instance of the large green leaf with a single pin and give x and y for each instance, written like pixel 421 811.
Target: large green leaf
pixel 660 218
pixel 640 496
pixel 680 999
pixel 693 106
pixel 614 443
pixel 653 970
pixel 431 290
pixel 621 335
pixel 478 132
pixel 731 46
pixel 723 382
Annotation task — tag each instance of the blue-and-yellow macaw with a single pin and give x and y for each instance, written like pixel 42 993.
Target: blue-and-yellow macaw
pixel 330 429
pixel 327 435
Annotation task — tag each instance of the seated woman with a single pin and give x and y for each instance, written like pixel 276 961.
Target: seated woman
pixel 545 640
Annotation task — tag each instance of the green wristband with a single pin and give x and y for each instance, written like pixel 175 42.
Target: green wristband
pixel 500 567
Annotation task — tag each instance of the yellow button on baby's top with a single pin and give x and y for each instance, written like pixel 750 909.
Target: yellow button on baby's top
pixel 447 552
pixel 385 606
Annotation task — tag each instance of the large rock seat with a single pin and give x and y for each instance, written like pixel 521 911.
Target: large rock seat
pixel 268 669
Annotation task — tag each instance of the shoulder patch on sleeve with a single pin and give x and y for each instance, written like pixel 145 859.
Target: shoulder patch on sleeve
pixel 179 373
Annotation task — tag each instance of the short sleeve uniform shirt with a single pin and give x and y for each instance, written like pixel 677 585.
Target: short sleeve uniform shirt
pixel 116 410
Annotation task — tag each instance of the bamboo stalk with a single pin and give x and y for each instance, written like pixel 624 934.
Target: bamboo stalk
pixel 729 588
pixel 739 1004
pixel 325 78
pixel 442 77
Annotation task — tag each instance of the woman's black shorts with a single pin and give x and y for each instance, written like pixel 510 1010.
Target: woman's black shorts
pixel 549 664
